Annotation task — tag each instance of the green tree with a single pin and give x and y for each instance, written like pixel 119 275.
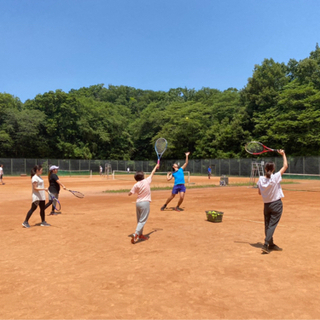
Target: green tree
pixel 263 88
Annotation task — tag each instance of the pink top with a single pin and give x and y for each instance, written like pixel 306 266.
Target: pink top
pixel 142 188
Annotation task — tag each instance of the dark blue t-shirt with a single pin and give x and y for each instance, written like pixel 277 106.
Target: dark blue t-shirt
pixel 54 185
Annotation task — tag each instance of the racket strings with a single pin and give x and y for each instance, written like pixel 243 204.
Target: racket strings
pixel 57 205
pixel 161 145
pixel 55 202
pixel 78 194
pixel 254 147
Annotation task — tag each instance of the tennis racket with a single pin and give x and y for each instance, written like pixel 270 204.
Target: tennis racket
pixel 55 202
pixel 256 148
pixel 76 193
pixel 160 147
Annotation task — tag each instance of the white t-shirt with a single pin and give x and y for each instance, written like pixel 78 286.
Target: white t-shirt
pixel 270 189
pixel 38 195
pixel 1 171
pixel 142 188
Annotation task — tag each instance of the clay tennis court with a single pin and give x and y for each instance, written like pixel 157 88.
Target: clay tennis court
pixel 84 266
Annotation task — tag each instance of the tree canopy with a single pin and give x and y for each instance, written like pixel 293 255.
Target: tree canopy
pixel 280 106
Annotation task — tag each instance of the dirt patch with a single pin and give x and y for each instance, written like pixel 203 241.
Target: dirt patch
pixel 84 265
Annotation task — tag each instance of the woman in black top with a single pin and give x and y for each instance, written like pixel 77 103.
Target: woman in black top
pixel 54 186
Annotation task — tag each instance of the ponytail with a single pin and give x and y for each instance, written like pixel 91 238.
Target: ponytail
pixel 269 169
pixel 268 174
pixel 49 175
pixel 35 169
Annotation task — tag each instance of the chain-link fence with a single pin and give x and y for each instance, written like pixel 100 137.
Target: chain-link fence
pixel 229 167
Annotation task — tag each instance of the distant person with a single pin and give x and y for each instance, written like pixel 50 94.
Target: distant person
pixel 1 173
pixel 128 170
pixel 54 187
pixel 38 197
pixel 101 170
pixel 179 183
pixel 142 189
pixel 270 189
pixel 209 172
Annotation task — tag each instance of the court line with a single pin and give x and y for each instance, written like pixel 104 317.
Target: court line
pixel 260 222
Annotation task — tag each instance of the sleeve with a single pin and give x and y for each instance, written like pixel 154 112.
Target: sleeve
pixel 54 177
pixel 134 189
pixel 149 179
pixel 278 177
pixel 258 183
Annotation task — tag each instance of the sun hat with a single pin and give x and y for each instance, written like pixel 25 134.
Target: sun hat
pixel 53 168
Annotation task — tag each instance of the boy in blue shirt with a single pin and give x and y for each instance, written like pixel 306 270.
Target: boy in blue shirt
pixel 179 182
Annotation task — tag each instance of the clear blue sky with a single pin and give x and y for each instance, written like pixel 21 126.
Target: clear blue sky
pixel 148 44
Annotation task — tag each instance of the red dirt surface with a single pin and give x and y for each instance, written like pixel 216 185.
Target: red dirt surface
pixel 84 266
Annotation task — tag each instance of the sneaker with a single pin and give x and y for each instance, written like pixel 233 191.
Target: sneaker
pixel 163 207
pixel 26 224
pixel 143 237
pixel 52 214
pixel 45 224
pixel 274 247
pixel 178 209
pixel 265 249
pixel 134 238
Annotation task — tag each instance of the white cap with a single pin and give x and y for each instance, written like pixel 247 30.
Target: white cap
pixel 53 168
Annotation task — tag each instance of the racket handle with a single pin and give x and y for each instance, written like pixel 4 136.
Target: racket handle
pixel 158 162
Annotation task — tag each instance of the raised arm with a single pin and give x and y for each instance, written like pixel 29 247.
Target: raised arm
pixel 154 170
pixel 285 162
pixel 187 160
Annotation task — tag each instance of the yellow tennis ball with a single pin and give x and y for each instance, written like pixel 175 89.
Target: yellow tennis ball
pixel 187 118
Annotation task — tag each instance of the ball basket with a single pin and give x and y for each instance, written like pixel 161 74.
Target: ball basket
pixel 214 215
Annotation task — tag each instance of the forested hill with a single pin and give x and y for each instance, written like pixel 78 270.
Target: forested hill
pixel 280 106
